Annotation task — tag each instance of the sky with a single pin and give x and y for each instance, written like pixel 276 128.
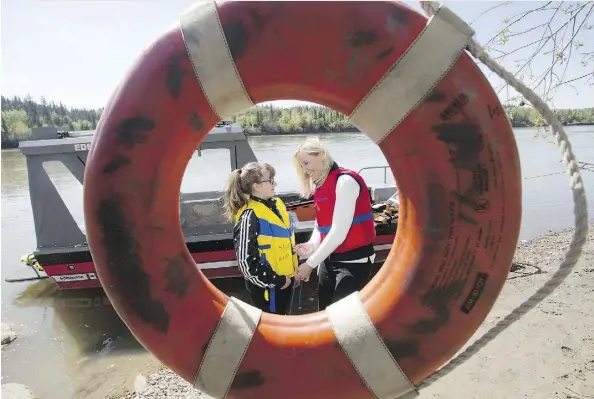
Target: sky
pixel 76 52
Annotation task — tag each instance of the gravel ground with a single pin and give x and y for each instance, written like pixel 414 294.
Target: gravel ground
pixel 549 353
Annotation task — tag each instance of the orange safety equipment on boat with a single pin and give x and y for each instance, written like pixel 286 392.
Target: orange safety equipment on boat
pixel 403 80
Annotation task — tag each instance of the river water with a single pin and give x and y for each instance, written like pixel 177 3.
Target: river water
pixel 73 345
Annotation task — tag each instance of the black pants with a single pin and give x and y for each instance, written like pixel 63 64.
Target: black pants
pixel 338 280
pixel 282 298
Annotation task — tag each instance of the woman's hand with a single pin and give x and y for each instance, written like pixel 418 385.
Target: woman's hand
pixel 304 272
pixel 304 250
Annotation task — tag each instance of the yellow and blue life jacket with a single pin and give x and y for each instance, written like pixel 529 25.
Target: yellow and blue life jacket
pixel 276 238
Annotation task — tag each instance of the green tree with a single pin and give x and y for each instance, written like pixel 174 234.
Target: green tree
pixel 15 124
pixel 19 116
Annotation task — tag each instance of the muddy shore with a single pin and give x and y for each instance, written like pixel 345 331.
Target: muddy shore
pixel 548 353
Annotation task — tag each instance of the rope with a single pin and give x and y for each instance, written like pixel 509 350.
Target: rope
pixel 585 166
pixel 299 307
pixel 579 199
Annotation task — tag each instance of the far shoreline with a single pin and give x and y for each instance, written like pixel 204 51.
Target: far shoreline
pixel 7 146
pixel 354 130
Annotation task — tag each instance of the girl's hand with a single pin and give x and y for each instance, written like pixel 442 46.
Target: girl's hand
pixel 287 282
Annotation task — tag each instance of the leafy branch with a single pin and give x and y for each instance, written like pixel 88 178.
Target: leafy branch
pixel 556 34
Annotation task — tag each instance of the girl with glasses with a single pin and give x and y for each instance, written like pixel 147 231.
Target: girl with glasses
pixel 263 236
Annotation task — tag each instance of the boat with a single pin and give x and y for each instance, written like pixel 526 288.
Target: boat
pixel 62 253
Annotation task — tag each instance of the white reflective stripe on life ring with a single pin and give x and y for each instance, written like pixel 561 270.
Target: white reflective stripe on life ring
pixel 211 59
pixel 413 76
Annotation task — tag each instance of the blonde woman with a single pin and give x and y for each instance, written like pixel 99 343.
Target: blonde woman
pixel 263 236
pixel 345 229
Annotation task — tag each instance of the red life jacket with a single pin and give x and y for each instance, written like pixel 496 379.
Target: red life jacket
pixel 358 242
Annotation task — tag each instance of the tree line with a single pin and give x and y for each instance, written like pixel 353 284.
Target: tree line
pixel 268 119
pixel 19 116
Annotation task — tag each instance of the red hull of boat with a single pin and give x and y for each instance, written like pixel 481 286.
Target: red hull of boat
pixel 214 264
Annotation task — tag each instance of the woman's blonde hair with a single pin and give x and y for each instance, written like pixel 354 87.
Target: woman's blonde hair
pixel 311 146
pixel 240 186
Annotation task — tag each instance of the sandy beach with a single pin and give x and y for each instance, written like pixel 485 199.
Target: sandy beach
pixel 548 353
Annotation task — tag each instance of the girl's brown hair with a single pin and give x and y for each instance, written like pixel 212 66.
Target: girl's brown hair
pixel 240 186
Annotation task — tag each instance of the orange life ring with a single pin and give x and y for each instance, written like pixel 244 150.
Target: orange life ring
pixel 410 86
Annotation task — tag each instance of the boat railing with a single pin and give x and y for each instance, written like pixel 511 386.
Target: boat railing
pixel 385 168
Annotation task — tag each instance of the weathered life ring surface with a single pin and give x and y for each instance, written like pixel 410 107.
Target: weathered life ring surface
pixel 454 157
